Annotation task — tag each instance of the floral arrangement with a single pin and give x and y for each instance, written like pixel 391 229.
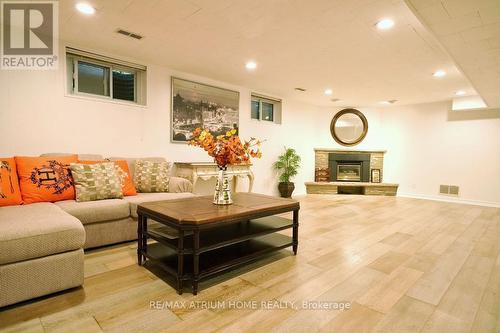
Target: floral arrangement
pixel 226 149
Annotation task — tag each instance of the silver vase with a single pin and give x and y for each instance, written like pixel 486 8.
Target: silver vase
pixel 222 195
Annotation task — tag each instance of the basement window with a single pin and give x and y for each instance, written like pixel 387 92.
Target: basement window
pixel 92 75
pixel 265 109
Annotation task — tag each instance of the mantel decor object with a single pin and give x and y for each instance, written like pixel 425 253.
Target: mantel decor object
pixel 226 149
pixel 376 176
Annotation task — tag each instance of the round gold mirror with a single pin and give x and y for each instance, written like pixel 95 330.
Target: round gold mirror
pixel 349 127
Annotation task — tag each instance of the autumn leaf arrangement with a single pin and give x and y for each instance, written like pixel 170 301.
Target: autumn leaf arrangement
pixel 226 149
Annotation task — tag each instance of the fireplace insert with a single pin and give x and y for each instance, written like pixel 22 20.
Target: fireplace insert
pixel 349 167
pixel 349 172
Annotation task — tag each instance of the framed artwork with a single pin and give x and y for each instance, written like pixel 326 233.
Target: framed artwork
pixel 196 104
pixel 376 176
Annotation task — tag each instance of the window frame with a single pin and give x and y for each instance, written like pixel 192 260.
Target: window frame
pixel 277 107
pixel 130 70
pixel 76 89
pixel 140 91
pixel 262 102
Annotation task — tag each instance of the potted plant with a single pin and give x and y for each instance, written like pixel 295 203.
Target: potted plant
pixel 287 166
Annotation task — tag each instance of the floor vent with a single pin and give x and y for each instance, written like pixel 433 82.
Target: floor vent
pixel 129 34
pixel 449 190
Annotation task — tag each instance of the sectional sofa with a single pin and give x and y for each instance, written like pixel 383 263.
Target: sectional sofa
pixel 41 244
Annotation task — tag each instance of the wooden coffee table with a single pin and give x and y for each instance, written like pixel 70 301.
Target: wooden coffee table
pixel 196 239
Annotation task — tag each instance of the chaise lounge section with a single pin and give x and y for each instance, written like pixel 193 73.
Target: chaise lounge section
pixel 41 251
pixel 42 244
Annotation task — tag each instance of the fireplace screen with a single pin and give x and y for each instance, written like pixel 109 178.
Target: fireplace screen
pixel 349 172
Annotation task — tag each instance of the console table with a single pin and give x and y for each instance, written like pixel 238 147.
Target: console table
pixel 192 171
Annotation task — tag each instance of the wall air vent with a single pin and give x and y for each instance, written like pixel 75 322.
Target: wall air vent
pixel 444 189
pixel 454 190
pixel 449 190
pixel 129 34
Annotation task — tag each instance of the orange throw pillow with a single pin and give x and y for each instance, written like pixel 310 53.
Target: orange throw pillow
pixel 128 187
pixel 10 194
pixel 45 179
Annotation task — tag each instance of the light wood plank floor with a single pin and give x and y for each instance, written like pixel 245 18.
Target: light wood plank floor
pixel 404 265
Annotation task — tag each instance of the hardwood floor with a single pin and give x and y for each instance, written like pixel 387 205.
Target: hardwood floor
pixel 403 265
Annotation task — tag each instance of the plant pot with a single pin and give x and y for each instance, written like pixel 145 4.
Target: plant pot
pixel 286 189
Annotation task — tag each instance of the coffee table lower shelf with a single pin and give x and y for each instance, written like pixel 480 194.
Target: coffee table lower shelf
pixel 218 260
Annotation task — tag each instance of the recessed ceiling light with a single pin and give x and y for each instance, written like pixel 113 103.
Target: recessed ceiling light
pixel 439 73
pixel 385 24
pixel 251 65
pixel 389 102
pixel 328 91
pixel 460 93
pixel 85 8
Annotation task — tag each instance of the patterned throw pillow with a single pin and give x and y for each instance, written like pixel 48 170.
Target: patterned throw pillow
pixel 9 185
pixel 45 179
pixel 96 181
pixel 151 177
pixel 128 187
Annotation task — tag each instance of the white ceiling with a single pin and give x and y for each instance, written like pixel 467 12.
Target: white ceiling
pixel 314 44
pixel 470 31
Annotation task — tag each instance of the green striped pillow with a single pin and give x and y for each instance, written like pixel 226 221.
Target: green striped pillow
pixel 96 181
pixel 151 177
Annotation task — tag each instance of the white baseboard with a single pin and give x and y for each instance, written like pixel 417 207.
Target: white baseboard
pixel 436 198
pixel 450 199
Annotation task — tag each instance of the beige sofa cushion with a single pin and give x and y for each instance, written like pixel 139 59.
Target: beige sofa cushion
pixel 81 157
pixel 37 230
pixel 110 232
pixel 96 211
pixel 179 185
pixel 148 197
pixel 32 278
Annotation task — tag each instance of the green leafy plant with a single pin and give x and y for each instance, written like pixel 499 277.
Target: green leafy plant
pixel 287 165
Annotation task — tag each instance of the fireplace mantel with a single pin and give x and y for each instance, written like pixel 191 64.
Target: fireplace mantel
pixel 334 150
pixel 376 158
pixel 323 183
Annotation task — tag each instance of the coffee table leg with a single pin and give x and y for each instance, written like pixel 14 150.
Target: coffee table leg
pixel 144 237
pixel 196 260
pixel 139 240
pixel 180 261
pixel 295 239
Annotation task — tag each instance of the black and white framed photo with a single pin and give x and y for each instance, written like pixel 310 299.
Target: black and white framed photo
pixel 376 176
pixel 196 104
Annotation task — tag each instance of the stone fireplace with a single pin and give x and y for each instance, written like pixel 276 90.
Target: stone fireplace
pixel 342 171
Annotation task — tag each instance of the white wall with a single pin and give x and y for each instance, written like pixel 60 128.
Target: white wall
pixel 424 148
pixel 37 116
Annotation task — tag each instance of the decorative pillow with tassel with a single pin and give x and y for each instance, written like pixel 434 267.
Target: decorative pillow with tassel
pixel 10 194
